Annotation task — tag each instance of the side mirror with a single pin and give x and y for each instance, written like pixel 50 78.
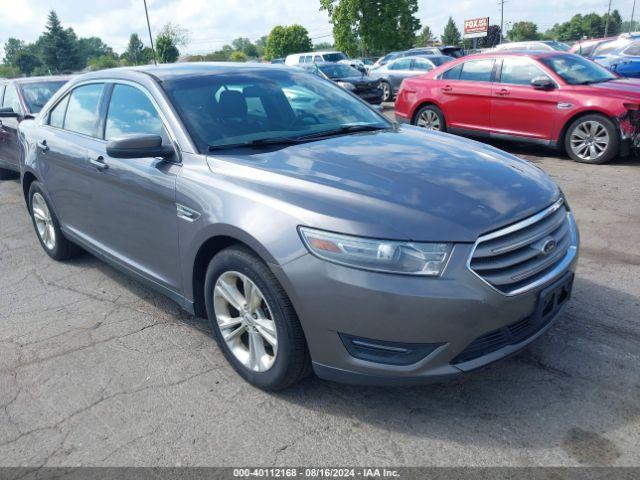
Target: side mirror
pixel 139 146
pixel 7 112
pixel 543 83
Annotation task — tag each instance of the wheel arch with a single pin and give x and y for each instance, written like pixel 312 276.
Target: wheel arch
pixel 423 104
pixel 28 177
pixel 575 116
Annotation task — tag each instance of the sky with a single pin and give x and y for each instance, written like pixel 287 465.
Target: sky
pixel 213 23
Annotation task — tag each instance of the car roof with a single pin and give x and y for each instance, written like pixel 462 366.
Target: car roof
pixel 26 80
pixel 529 53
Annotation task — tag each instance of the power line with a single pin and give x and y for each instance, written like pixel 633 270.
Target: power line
pixel 153 50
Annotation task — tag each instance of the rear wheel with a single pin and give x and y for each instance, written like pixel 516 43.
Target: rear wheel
pixel 592 139
pixel 431 118
pixel 253 320
pixel 386 91
pixel 47 226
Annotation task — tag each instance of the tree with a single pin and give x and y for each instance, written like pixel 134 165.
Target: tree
pixel 361 26
pixel 166 50
pixel 425 37
pixel 93 47
pixel 11 48
pixel 238 56
pixel 521 31
pixel 451 34
pixel 103 62
pixel 178 36
pixel 133 54
pixel 28 59
pixel 492 39
pixel 615 23
pixel 59 47
pixel 283 41
pixel 246 46
pixel 318 47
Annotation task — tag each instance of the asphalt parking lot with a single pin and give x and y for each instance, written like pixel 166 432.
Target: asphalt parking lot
pixel 97 370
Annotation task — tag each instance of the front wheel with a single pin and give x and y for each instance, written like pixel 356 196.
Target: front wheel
pixel 431 118
pixel 253 320
pixel 592 139
pixel 386 91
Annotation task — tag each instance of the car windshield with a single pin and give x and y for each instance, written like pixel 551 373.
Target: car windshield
pixel 334 57
pixel 339 71
pixel 437 61
pixel 563 47
pixel 37 94
pixel 576 70
pixel 258 105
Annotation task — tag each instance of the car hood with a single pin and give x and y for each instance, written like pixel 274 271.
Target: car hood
pixel 404 183
pixel 620 87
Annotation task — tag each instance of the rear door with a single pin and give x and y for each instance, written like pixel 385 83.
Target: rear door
pixel 69 133
pixel 134 198
pixel 9 155
pixel 519 109
pixel 466 94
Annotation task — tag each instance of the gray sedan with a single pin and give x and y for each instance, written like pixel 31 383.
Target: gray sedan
pixel 393 73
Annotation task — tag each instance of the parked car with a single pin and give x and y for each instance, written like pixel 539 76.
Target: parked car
pixel 347 77
pixel 329 239
pixel 314 57
pixel 422 51
pixel 537 46
pixel 277 61
pixel 586 47
pixel 19 99
pixel 621 56
pixel 454 51
pixel 386 59
pixel 393 73
pixel 553 98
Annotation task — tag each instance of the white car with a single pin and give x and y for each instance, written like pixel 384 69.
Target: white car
pixel 314 57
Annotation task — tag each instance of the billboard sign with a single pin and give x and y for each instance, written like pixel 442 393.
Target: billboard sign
pixel 476 27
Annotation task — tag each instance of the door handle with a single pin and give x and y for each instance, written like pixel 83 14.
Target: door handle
pixel 43 146
pixel 98 162
pixel 503 93
pixel 447 88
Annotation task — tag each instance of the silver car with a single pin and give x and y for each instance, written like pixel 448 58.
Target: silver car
pixel 394 72
pixel 313 233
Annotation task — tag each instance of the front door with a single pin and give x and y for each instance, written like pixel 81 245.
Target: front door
pixel 9 154
pixel 517 108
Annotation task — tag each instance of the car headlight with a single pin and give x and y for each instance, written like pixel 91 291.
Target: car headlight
pixel 347 85
pixel 409 258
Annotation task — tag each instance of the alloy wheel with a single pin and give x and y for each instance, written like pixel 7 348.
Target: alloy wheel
pixel 589 140
pixel 386 92
pixel 429 120
pixel 245 321
pixel 44 222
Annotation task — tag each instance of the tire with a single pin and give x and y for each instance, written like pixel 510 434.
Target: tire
pixel 47 226
pixel 387 92
pixel 431 118
pixel 273 367
pixel 6 174
pixel 592 139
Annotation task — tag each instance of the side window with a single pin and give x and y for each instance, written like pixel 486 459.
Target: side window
pixel 519 71
pixel 421 64
pixel 317 58
pixel 82 111
pixel 477 70
pixel 11 99
pixel 130 112
pixel 403 64
pixel 453 73
pixel 56 117
pixel 633 49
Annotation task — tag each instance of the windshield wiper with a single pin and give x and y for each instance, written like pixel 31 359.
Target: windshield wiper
pixel 590 82
pixel 260 142
pixel 344 130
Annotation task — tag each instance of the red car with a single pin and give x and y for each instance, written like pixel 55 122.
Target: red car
pixel 553 98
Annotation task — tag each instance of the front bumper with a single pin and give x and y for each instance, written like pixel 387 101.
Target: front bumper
pixel 450 313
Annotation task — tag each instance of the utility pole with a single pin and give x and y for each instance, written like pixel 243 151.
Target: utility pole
pixel 153 50
pixel 633 11
pixel 606 25
pixel 502 19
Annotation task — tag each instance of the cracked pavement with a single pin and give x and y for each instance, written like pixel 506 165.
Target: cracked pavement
pixel 97 370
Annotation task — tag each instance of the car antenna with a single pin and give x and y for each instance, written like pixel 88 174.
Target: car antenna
pixel 153 50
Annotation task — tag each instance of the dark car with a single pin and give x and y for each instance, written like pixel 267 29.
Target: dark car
pixel 329 238
pixel 393 73
pixel 19 99
pixel 351 79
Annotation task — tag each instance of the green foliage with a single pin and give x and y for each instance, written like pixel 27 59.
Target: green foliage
pixel 103 62
pixel 28 59
pixel 285 40
pixel 93 47
pixel 365 26
pixel 590 25
pixel 166 50
pixel 246 46
pixel 521 31
pixel 9 71
pixel 615 23
pixel 238 56
pixel 134 54
pixel 451 34
pixel 492 39
pixel 318 47
pixel 11 48
pixel 425 38
pixel 59 47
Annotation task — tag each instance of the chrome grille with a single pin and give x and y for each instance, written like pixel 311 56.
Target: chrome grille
pixel 527 253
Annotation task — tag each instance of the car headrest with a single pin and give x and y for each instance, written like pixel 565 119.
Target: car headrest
pixel 232 104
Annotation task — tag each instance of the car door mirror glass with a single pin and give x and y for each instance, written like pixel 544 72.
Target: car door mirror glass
pixel 139 146
pixel 543 83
